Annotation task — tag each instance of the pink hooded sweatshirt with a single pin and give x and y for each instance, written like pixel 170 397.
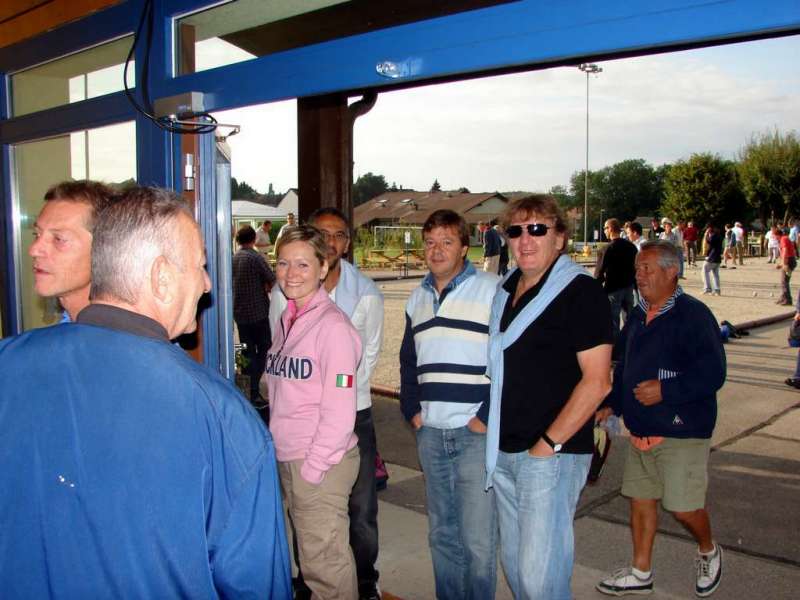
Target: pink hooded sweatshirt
pixel 311 369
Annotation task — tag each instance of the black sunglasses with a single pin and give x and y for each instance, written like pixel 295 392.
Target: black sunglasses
pixel 534 230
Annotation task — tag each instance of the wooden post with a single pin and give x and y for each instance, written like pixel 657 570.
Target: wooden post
pixel 325 151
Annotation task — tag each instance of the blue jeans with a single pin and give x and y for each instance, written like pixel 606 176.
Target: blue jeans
pixel 620 301
pixel 461 514
pixel 712 269
pixel 536 500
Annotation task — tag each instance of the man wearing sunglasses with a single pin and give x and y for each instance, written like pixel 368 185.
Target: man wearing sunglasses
pixel 549 364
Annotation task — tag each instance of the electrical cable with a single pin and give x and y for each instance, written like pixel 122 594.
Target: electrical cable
pixel 166 123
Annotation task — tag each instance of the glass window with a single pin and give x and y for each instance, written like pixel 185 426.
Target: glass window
pixel 107 154
pixel 77 77
pixel 244 29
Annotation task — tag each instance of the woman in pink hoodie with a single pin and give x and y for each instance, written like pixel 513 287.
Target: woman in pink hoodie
pixel 310 371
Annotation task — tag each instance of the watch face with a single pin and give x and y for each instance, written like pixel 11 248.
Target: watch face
pixel 557 448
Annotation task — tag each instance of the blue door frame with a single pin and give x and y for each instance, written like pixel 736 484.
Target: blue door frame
pixel 520 35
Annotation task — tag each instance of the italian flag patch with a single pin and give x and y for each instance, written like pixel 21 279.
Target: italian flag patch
pixel 344 381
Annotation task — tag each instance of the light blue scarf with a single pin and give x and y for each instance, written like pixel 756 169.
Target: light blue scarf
pixel 564 271
pixel 352 285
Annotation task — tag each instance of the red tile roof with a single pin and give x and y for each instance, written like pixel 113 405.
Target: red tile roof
pixel 414 207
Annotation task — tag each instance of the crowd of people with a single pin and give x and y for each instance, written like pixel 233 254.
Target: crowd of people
pixel 153 476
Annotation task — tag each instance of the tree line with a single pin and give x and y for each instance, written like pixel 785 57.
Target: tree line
pixel 762 182
pixel 241 190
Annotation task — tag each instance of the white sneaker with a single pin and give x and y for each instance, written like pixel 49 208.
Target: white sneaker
pixel 623 582
pixel 709 572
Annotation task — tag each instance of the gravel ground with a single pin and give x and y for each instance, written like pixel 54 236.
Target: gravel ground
pixel 748 292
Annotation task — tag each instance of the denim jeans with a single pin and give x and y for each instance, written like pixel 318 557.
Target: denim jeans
pixel 710 268
pixel 620 300
pixel 536 500
pixel 461 514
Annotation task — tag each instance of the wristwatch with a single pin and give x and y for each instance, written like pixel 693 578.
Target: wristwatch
pixel 556 447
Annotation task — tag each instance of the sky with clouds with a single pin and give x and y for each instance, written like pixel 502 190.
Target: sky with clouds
pixel 528 131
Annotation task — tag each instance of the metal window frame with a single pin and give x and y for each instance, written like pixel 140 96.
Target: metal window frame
pixel 522 35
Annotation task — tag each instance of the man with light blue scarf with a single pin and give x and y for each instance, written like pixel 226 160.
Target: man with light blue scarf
pixel 549 364
pixel 444 394
pixel 359 298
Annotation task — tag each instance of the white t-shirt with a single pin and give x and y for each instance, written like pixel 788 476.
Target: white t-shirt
pixel 262 240
pixel 773 241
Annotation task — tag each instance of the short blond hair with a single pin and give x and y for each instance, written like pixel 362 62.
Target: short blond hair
pixel 304 233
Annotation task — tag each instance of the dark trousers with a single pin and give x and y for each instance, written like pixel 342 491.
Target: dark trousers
pixel 621 301
pixel 363 507
pixel 256 337
pixel 786 277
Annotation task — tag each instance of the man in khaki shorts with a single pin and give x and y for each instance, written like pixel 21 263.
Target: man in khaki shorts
pixel 670 364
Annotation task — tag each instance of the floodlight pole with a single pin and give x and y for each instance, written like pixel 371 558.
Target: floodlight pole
pixel 588 68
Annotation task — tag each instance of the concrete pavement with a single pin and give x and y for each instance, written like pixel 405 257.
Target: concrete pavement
pixel 753 494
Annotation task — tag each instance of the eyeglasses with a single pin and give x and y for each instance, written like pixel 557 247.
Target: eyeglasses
pixel 533 229
pixel 339 236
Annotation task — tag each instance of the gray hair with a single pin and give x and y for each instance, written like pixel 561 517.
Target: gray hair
pixel 668 256
pixel 128 236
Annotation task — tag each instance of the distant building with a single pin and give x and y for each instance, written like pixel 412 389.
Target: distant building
pixel 289 203
pixel 413 208
pixel 247 212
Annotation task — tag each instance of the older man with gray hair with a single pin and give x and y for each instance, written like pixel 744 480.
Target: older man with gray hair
pixel 126 468
pixel 669 365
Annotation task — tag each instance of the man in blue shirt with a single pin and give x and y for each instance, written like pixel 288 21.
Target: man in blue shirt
pixel 126 468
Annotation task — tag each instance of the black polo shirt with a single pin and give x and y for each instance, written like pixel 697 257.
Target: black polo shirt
pixel 541 368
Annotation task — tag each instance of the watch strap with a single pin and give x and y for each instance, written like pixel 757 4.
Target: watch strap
pixel 556 447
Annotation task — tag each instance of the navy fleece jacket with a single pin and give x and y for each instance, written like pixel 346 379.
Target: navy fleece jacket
pixel 682 348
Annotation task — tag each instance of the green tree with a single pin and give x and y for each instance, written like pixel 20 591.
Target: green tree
pixel 769 171
pixel 565 199
pixel 576 188
pixel 367 187
pixel 242 191
pixel 629 189
pixel 624 190
pixel 436 187
pixel 704 189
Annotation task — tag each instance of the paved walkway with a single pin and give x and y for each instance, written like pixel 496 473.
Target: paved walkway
pixel 754 470
pixel 748 293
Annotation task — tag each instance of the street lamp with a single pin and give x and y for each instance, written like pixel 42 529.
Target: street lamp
pixel 588 68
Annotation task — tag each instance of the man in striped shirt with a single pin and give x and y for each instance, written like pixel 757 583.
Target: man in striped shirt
pixel 444 394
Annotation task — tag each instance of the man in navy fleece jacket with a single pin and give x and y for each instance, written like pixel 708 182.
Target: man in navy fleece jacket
pixel 670 364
